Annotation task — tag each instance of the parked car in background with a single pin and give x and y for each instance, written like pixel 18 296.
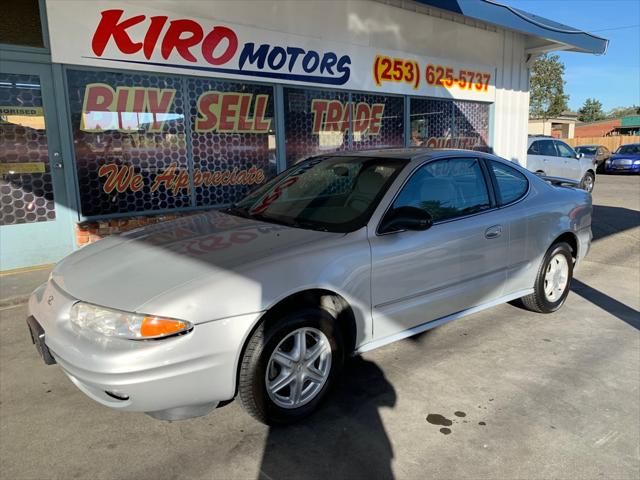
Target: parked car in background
pixel 625 159
pixel 554 158
pixel 598 153
pixel 341 253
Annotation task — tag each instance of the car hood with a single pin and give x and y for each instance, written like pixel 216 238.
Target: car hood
pixel 126 271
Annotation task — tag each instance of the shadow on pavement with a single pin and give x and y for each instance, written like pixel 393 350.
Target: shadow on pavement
pixel 611 220
pixel 607 303
pixel 344 439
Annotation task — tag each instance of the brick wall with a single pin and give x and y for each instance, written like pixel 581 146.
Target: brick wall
pixel 92 231
pixel 596 129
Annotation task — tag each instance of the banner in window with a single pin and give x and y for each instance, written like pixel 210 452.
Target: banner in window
pixel 449 124
pixel 146 142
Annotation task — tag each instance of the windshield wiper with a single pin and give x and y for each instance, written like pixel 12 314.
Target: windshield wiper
pixel 237 211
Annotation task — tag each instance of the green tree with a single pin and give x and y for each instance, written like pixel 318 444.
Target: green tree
pixel 591 111
pixel 619 112
pixel 546 88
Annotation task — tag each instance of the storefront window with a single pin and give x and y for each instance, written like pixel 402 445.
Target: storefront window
pixel 449 124
pixel 20 23
pixel 26 189
pixel 130 142
pixel 233 139
pixel 316 121
pixel 378 121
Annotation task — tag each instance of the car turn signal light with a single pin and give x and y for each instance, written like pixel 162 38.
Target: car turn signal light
pixel 154 327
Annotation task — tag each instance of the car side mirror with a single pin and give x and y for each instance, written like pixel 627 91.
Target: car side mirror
pixel 579 155
pixel 406 218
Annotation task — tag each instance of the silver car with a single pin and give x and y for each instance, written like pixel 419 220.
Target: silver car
pixel 340 254
pixel 547 156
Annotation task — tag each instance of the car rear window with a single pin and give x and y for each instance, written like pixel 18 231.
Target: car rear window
pixel 512 185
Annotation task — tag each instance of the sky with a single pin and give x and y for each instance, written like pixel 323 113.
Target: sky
pixel 613 79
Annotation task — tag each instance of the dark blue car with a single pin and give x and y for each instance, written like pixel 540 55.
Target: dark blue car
pixel 625 159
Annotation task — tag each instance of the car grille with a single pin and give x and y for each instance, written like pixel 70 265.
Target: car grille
pixel 623 162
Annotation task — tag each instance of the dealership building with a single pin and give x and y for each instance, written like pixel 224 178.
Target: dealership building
pixel 115 114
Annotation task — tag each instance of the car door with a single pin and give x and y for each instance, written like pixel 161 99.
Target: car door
pixel 460 262
pixel 570 164
pixel 545 158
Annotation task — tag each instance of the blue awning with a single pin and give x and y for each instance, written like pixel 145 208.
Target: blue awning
pixel 552 35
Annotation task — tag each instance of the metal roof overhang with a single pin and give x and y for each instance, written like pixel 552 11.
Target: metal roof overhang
pixel 544 35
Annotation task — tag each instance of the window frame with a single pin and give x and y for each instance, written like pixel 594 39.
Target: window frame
pixel 486 175
pixel 557 142
pixel 496 187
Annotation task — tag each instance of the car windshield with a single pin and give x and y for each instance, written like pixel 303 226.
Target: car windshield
pixel 335 194
pixel 587 150
pixel 629 149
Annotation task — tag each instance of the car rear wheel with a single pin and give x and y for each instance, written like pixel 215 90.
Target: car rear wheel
pixel 588 181
pixel 289 365
pixel 553 281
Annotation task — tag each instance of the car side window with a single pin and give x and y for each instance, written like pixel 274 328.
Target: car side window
pixel 512 185
pixel 534 149
pixel 447 189
pixel 565 151
pixel 547 148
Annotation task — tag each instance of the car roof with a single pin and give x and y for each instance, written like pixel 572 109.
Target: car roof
pixel 405 153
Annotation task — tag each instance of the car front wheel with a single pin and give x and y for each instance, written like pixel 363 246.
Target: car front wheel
pixel 289 365
pixel 588 181
pixel 553 281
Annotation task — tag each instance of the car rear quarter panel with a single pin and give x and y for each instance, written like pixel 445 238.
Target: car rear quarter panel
pixel 545 214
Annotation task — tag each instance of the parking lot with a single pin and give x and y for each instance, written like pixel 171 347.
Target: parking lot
pixel 501 394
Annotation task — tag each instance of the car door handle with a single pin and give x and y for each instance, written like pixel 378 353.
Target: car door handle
pixel 493 232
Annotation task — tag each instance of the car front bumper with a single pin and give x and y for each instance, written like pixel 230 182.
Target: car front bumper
pixel 172 378
pixel 618 168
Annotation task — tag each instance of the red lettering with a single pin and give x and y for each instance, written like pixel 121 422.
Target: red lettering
pixel 166 177
pixel 159 101
pixel 120 178
pixel 260 124
pixel 361 119
pixel 228 112
pixel 151 38
pixel 319 107
pixel 334 113
pixel 244 123
pixel 377 109
pixel 213 40
pixel 207 106
pixel 98 98
pixel 109 27
pixel 173 39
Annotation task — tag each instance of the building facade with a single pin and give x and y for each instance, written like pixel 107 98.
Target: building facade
pixel 115 114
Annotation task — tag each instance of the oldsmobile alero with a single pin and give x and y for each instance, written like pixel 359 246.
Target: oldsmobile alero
pixel 340 254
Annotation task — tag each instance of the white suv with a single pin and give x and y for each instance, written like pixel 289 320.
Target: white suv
pixel 553 158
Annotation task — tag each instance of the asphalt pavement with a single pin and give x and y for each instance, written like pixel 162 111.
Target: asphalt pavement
pixel 502 394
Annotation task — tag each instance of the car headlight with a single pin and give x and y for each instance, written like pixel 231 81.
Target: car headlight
pixel 132 326
pixel 636 162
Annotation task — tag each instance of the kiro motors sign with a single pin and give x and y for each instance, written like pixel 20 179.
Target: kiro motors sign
pixel 215 49
pixel 184 38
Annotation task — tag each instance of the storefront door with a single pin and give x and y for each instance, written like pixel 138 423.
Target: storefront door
pixel 35 217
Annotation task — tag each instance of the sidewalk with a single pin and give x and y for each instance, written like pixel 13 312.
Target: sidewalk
pixel 17 285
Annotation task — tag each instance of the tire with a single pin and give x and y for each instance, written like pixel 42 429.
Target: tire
pixel 588 182
pixel 260 365
pixel 540 301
